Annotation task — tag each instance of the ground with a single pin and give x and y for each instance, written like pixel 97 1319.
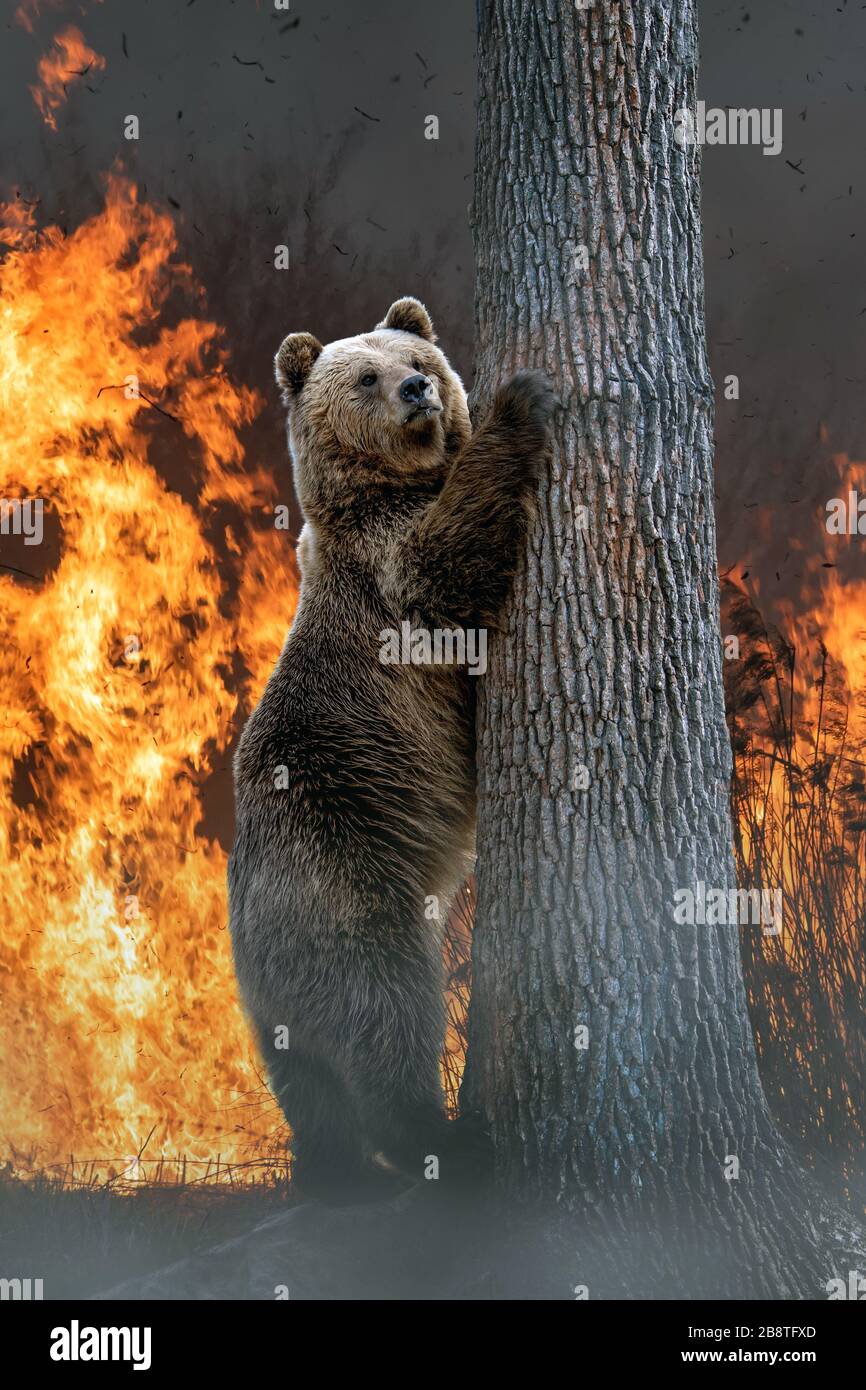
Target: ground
pixel 171 1241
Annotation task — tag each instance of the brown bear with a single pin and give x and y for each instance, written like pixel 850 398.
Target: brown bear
pixel 355 775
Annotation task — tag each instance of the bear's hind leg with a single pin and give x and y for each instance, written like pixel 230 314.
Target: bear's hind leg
pixel 330 1157
pixel 396 1080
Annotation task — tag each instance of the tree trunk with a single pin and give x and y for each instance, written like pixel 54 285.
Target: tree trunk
pixel 610 1048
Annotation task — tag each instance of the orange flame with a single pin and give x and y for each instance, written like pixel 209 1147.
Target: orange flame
pixel 119 1016
pixel 29 10
pixel 819 729
pixel 831 599
pixel 70 60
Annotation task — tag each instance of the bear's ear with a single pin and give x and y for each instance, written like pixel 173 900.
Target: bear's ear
pixel 410 316
pixel 294 362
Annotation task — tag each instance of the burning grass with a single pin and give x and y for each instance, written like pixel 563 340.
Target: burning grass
pixel 798 798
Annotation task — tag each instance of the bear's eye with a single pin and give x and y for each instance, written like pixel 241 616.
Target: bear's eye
pixel 416 365
pixel 369 379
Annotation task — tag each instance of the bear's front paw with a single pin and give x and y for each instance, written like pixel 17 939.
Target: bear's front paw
pixel 526 401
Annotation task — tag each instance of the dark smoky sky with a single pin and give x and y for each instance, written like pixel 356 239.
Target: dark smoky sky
pixel 306 126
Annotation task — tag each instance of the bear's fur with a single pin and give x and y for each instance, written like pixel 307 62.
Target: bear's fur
pixel 354 779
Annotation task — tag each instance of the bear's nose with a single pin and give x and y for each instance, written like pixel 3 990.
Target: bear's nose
pixel 414 388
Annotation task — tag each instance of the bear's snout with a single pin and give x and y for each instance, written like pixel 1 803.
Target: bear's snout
pixel 415 390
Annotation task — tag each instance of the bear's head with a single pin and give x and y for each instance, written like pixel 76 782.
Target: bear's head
pixel 382 409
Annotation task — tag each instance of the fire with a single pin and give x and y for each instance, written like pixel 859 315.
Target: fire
pixel 798 720
pixel 70 60
pixel 834 613
pixel 29 10
pixel 826 614
pixel 119 1017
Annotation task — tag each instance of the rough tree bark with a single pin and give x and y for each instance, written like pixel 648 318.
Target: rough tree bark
pixel 612 663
